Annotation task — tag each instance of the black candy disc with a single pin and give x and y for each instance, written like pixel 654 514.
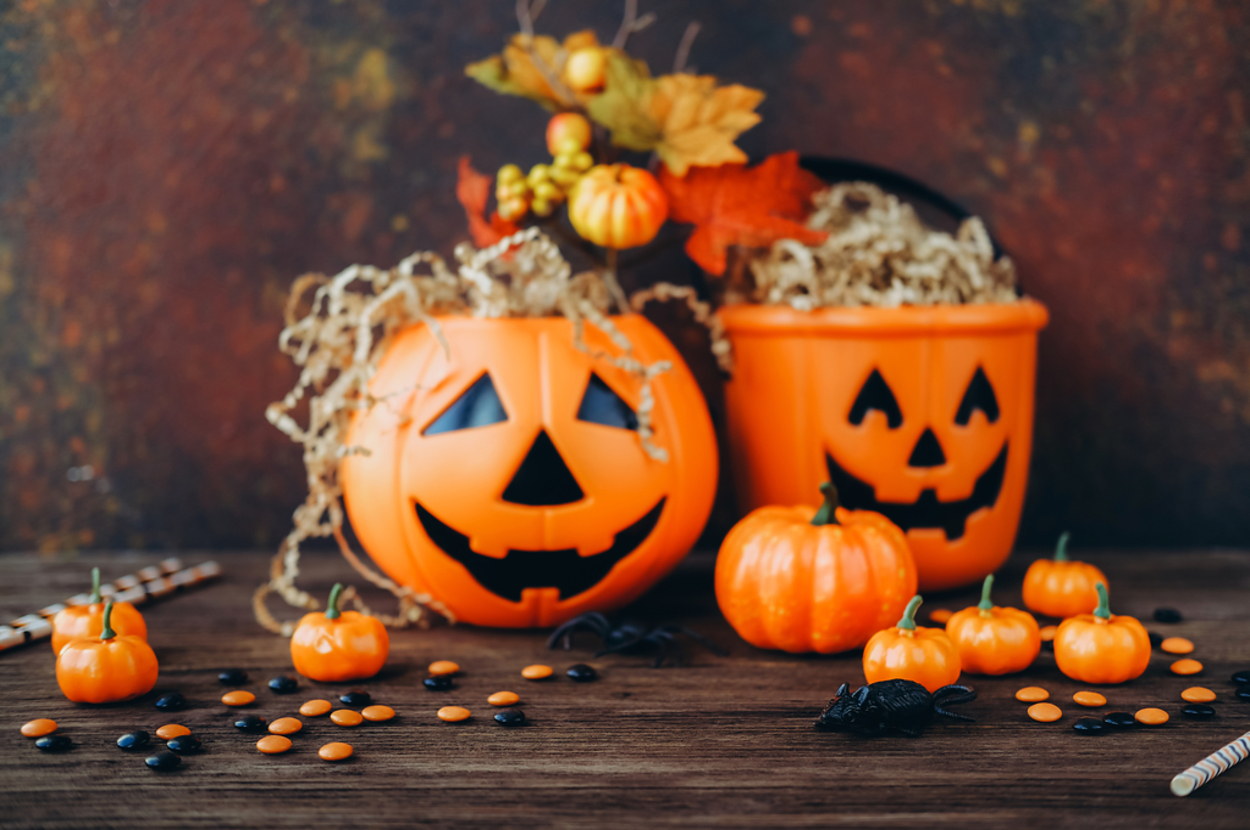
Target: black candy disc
pixel 134 740
pixel 1090 726
pixel 510 717
pixel 250 723
pixel 356 698
pixel 1243 692
pixel 232 677
pixel 172 702
pixel 1242 677
pixel 163 761
pixel 1120 720
pixel 439 683
pixel 54 743
pixel 1198 710
pixel 582 673
pixel 1156 640
pixel 184 744
pixel 283 684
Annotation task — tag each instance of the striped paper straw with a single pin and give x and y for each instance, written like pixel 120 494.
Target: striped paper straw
pixel 1219 761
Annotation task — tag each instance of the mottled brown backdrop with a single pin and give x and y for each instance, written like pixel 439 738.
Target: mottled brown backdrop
pixel 167 167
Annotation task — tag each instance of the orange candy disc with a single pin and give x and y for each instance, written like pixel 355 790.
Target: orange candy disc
pixel 39 727
pixel 1045 712
pixel 172 730
pixel 238 698
pixel 316 708
pixel 1152 717
pixel 1089 699
pixel 1048 633
pixel 1032 694
pixel 504 699
pixel 941 616
pixel 441 667
pixel 377 713
pixel 286 726
pixel 452 714
pixel 273 744
pixel 1177 645
pixel 346 717
pixel 335 752
pixel 1186 666
pixel 536 672
pixel 1198 694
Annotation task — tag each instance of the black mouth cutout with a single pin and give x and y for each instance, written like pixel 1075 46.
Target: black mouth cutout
pixel 564 570
pixel 926 511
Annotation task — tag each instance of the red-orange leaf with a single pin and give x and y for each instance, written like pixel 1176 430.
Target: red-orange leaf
pixel 734 205
pixel 473 190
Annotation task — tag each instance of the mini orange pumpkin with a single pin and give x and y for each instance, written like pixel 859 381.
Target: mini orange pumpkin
pixel 801 579
pixel 994 640
pixel 912 652
pixel 617 206
pixel 1102 647
pixel 1061 587
pixel 108 668
pixel 506 477
pixel 88 620
pixel 339 645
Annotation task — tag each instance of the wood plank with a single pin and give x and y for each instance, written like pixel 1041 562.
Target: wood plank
pixel 722 742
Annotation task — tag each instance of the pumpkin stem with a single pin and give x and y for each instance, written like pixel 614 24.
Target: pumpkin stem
pixel 827 513
pixel 986 605
pixel 95 586
pixel 332 607
pixel 107 632
pixel 1061 548
pixel 908 622
pixel 1103 611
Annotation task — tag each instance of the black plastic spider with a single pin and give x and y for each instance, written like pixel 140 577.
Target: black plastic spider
pixel 632 637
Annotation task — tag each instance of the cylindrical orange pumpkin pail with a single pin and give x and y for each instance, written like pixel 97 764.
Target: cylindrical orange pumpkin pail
pixel 506 476
pixel 923 414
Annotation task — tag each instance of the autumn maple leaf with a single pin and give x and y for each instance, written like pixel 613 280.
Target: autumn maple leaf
pixel 473 190
pixel 514 72
pixel 734 205
pixel 686 119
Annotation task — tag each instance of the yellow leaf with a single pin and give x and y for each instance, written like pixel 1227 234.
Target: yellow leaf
pixel 514 72
pixel 699 121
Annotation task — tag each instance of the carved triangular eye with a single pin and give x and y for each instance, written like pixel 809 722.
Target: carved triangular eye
pixel 980 395
pixel 876 394
pixel 600 405
pixel 477 406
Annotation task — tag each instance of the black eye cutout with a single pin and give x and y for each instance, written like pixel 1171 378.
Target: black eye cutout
pixel 876 394
pixel 600 405
pixel 980 395
pixel 477 406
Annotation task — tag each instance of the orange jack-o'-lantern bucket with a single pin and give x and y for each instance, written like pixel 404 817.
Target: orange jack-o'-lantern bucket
pixel 507 478
pixel 923 414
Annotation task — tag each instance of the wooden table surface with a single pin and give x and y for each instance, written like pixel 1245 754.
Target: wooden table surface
pixel 722 742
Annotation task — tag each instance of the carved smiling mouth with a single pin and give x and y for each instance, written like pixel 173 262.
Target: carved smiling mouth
pixel 564 570
pixel 925 511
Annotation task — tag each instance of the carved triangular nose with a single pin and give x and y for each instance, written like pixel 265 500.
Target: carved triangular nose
pixel 927 452
pixel 543 479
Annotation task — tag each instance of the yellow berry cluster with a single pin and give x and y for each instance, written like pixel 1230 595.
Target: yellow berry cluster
pixel 546 186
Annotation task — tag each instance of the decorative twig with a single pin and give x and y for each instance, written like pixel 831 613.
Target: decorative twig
pixel 683 48
pixel 526 15
pixel 631 23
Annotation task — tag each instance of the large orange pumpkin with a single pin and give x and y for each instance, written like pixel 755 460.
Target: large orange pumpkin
pixel 510 482
pixel 924 415
pixel 800 579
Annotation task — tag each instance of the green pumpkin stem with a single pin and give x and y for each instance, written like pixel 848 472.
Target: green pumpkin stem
pixel 107 633
pixel 986 603
pixel 1103 611
pixel 908 622
pixel 1061 548
pixel 827 513
pixel 332 608
pixel 95 587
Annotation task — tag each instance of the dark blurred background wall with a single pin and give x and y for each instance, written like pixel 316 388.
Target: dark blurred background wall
pixel 167 167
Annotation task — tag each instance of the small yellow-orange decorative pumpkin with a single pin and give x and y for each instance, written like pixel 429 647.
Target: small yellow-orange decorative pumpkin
pixel 617 206
pixel 1062 587
pixel 509 481
pixel 803 579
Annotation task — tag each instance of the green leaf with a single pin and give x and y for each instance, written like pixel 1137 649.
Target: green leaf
pixel 622 105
